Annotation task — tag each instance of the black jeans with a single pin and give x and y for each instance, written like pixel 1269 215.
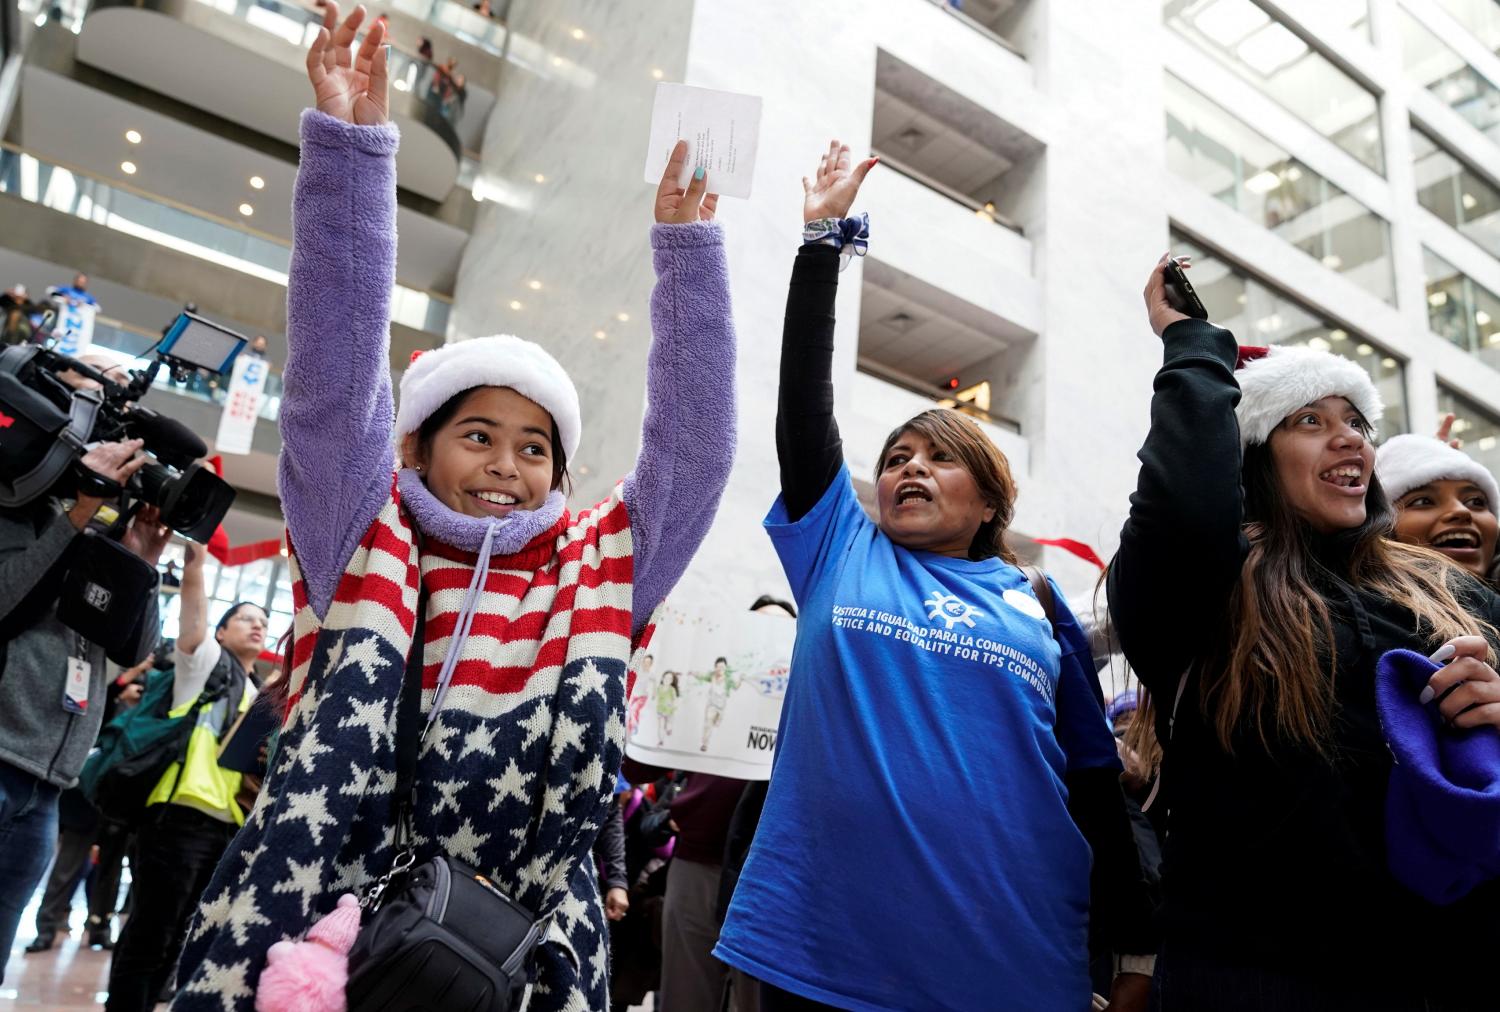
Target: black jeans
pixel 68 868
pixel 1188 982
pixel 774 999
pixel 177 849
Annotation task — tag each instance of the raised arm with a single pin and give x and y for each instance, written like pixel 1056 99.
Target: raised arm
pixel 687 441
pixel 336 413
pixel 1182 541
pixel 807 436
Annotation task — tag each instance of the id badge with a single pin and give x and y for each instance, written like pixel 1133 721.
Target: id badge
pixel 76 689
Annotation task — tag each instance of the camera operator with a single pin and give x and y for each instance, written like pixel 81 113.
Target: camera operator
pixel 52 679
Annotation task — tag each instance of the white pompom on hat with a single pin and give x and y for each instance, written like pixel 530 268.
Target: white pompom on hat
pixel 499 361
pixel 1408 462
pixel 1278 380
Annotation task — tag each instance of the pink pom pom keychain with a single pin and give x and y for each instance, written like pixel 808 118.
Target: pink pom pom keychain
pixel 309 976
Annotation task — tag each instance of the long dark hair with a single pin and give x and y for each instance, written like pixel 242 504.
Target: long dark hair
pixel 962 437
pixel 1273 677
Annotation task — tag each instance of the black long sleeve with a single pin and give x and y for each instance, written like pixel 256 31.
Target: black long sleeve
pixel 807 436
pixel 1181 548
pixel 611 850
pixel 1122 905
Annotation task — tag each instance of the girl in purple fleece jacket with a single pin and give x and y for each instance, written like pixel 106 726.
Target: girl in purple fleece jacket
pixel 531 614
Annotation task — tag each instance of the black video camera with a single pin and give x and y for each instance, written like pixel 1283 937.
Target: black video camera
pixel 46 425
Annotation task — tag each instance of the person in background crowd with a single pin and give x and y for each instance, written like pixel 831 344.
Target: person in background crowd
pixel 257 346
pixel 18 316
pixel 194 811
pixel 1444 499
pixel 424 50
pixel 483 7
pixel 78 292
pixel 472 532
pixel 49 674
pixel 1253 592
pixel 609 855
pixel 849 898
pixel 84 835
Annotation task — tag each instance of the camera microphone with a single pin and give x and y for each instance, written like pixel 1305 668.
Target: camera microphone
pixel 167 438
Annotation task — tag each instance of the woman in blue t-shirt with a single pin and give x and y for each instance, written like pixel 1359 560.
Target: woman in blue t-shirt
pixel 917 849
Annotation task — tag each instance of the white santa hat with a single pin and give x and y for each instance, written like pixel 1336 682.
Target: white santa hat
pixel 1408 462
pixel 1278 380
pixel 499 361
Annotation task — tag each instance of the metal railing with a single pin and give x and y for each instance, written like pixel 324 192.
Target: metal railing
pixel 986 211
pixel 161 220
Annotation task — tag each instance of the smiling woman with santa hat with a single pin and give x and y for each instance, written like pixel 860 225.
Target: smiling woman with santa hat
pixel 1254 591
pixel 1444 499
pixel 524 616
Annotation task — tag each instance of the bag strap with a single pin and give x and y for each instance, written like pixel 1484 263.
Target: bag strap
pixel 409 726
pixel 1043 591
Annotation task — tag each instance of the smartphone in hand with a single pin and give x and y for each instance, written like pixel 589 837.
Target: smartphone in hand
pixel 1180 294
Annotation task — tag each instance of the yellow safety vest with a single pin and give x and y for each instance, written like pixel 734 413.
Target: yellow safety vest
pixel 205 785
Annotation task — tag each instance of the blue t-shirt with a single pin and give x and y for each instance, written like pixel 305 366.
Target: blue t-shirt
pixel 916 850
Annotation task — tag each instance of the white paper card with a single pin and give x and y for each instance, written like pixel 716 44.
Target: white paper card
pixel 722 129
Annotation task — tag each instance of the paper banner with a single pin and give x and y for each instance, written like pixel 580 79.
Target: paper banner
pixel 74 330
pixel 241 405
pixel 708 696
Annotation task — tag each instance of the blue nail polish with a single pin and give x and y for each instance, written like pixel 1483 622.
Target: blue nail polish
pixel 698 172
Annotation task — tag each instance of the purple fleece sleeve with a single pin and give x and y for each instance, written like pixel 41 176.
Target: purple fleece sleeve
pixel 336 413
pixel 687 441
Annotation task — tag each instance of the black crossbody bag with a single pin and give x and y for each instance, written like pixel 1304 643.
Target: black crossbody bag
pixel 438 935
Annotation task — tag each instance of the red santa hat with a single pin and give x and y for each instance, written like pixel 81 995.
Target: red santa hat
pixel 1278 380
pixel 499 361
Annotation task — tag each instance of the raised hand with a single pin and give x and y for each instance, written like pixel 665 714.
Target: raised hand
pixel 831 192
pixel 1158 310
pixel 1445 431
pixel 348 85
pixel 676 206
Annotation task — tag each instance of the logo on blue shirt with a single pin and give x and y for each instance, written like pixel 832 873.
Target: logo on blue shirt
pixel 951 609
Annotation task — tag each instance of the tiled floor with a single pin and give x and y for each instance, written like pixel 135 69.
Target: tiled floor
pixel 69 977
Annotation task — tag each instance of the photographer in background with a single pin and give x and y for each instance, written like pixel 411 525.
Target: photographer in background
pixel 52 679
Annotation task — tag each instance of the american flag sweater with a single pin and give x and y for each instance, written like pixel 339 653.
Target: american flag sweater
pixel 517 771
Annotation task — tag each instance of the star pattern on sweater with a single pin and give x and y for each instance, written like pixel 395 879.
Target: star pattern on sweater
pixel 303 879
pixel 437 739
pixel 574 911
pixel 227 983
pixel 590 778
pixel 216 913
pixel 366 654
pixel 465 843
pixel 312 808
pixel 590 680
pixel 370 715
pixel 244 914
pixel 448 795
pixel 599 963
pixel 481 739
pixel 510 784
pixel 536 725
pixel 350 874
pixel 309 749
pixel 568 735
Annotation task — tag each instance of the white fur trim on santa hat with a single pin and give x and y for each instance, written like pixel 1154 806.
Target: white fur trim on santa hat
pixel 1290 377
pixel 1408 462
pixel 500 361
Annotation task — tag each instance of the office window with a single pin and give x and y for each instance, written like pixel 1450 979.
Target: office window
pixel 1476 426
pixel 1480 17
pixel 1454 192
pixel 1260 314
pixel 1461 310
pixel 1263 182
pixel 1434 65
pixel 1265 52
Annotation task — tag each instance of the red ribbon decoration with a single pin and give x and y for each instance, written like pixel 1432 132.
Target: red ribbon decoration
pixel 1078 548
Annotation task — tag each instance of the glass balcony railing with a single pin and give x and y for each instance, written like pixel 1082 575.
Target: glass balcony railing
pixel 198 234
pixel 985 211
pixel 1436 66
pixel 461 21
pixel 955 8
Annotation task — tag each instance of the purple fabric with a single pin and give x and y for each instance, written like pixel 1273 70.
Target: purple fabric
pixel 460 530
pixel 1442 815
pixel 336 412
pixel 688 438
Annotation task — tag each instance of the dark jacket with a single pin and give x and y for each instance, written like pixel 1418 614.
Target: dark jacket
pixel 1274 858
